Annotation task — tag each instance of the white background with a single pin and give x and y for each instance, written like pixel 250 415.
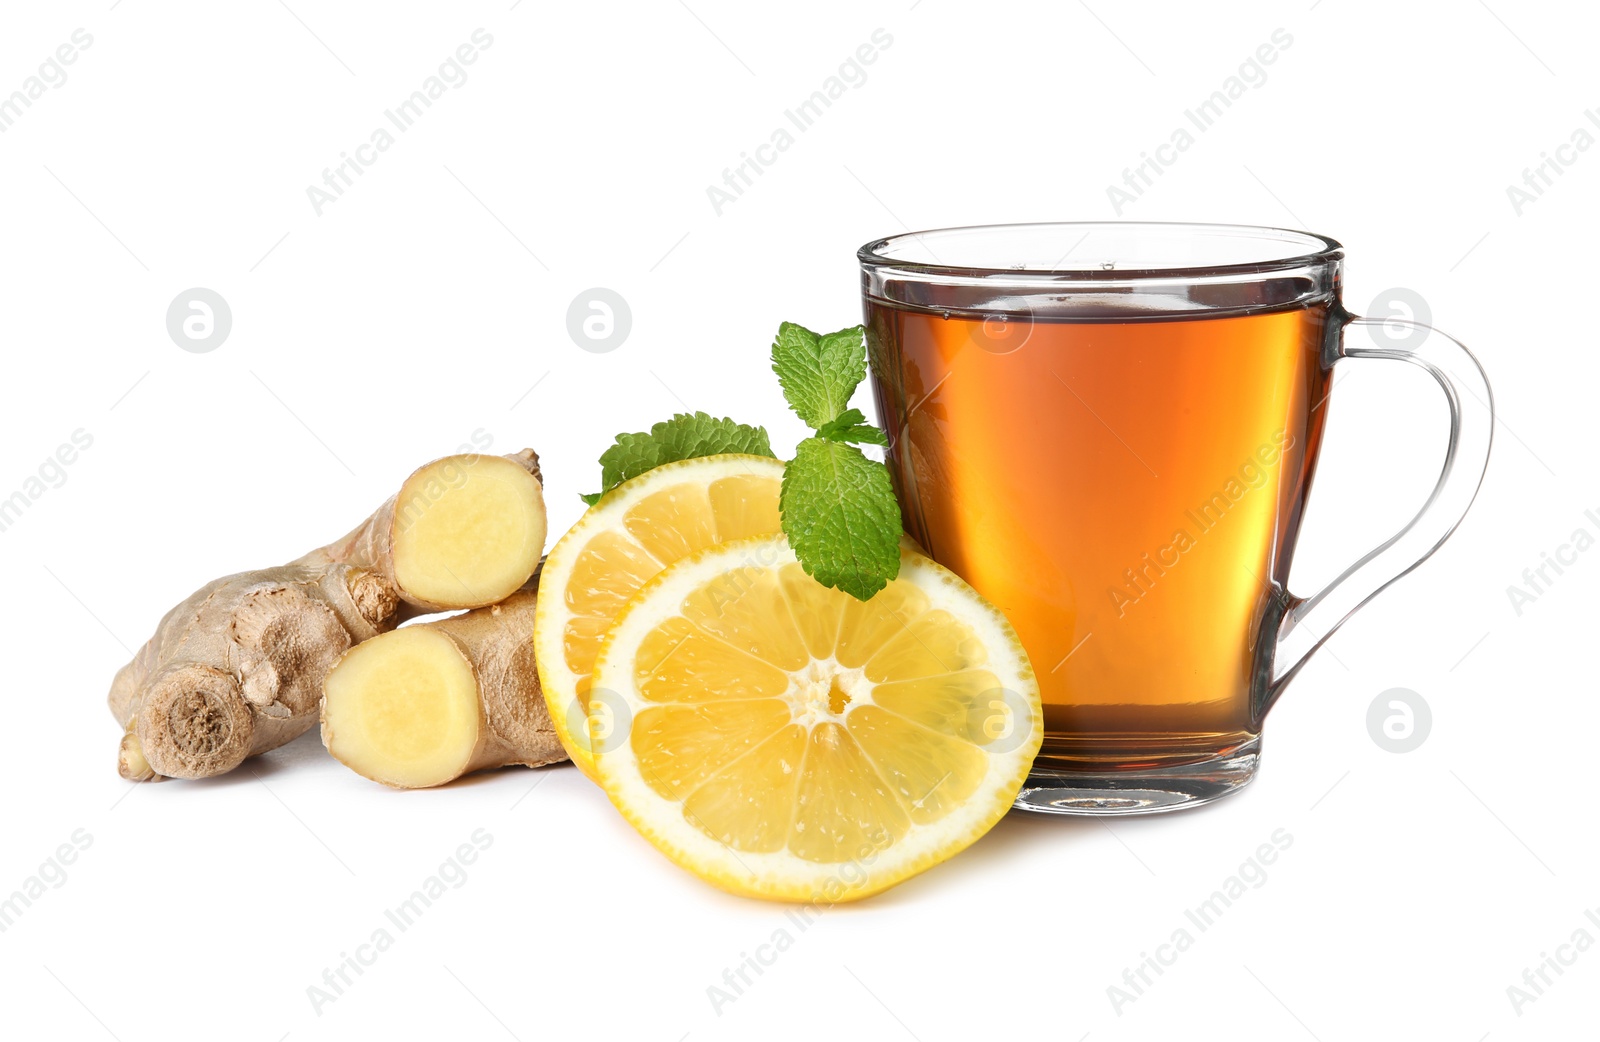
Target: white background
pixel 430 301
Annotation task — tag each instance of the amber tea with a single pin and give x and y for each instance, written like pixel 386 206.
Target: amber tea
pixel 1110 430
pixel 1126 492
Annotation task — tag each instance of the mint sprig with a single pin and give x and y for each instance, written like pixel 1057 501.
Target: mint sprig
pixel 685 436
pixel 838 506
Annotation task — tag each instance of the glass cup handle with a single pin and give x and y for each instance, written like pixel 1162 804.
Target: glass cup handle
pixel 1308 622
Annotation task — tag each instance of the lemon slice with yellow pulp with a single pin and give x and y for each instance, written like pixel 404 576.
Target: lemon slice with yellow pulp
pixel 781 739
pixel 637 529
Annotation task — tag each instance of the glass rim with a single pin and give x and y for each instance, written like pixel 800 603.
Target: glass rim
pixel 1320 249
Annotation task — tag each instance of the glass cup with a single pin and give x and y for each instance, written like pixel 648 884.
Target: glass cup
pixel 1110 430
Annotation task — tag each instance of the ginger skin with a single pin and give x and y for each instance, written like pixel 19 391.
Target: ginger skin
pixel 236 669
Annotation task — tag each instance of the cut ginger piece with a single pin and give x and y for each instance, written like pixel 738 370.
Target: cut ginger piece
pixel 781 739
pixel 632 533
pixel 427 703
pixel 237 668
pixel 468 531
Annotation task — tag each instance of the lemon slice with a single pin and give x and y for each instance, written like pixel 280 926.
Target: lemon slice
pixel 784 740
pixel 640 527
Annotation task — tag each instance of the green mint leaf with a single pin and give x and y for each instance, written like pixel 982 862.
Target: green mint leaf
pixel 851 426
pixel 841 517
pixel 689 436
pixel 818 373
pixel 844 421
pixel 862 434
pixel 630 456
pixel 685 436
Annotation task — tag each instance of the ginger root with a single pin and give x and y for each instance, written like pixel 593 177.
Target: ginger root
pixel 425 704
pixel 236 669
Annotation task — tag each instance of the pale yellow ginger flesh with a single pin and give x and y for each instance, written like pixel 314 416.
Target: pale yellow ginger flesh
pixel 468 531
pixel 430 702
pixel 402 708
pixel 237 668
